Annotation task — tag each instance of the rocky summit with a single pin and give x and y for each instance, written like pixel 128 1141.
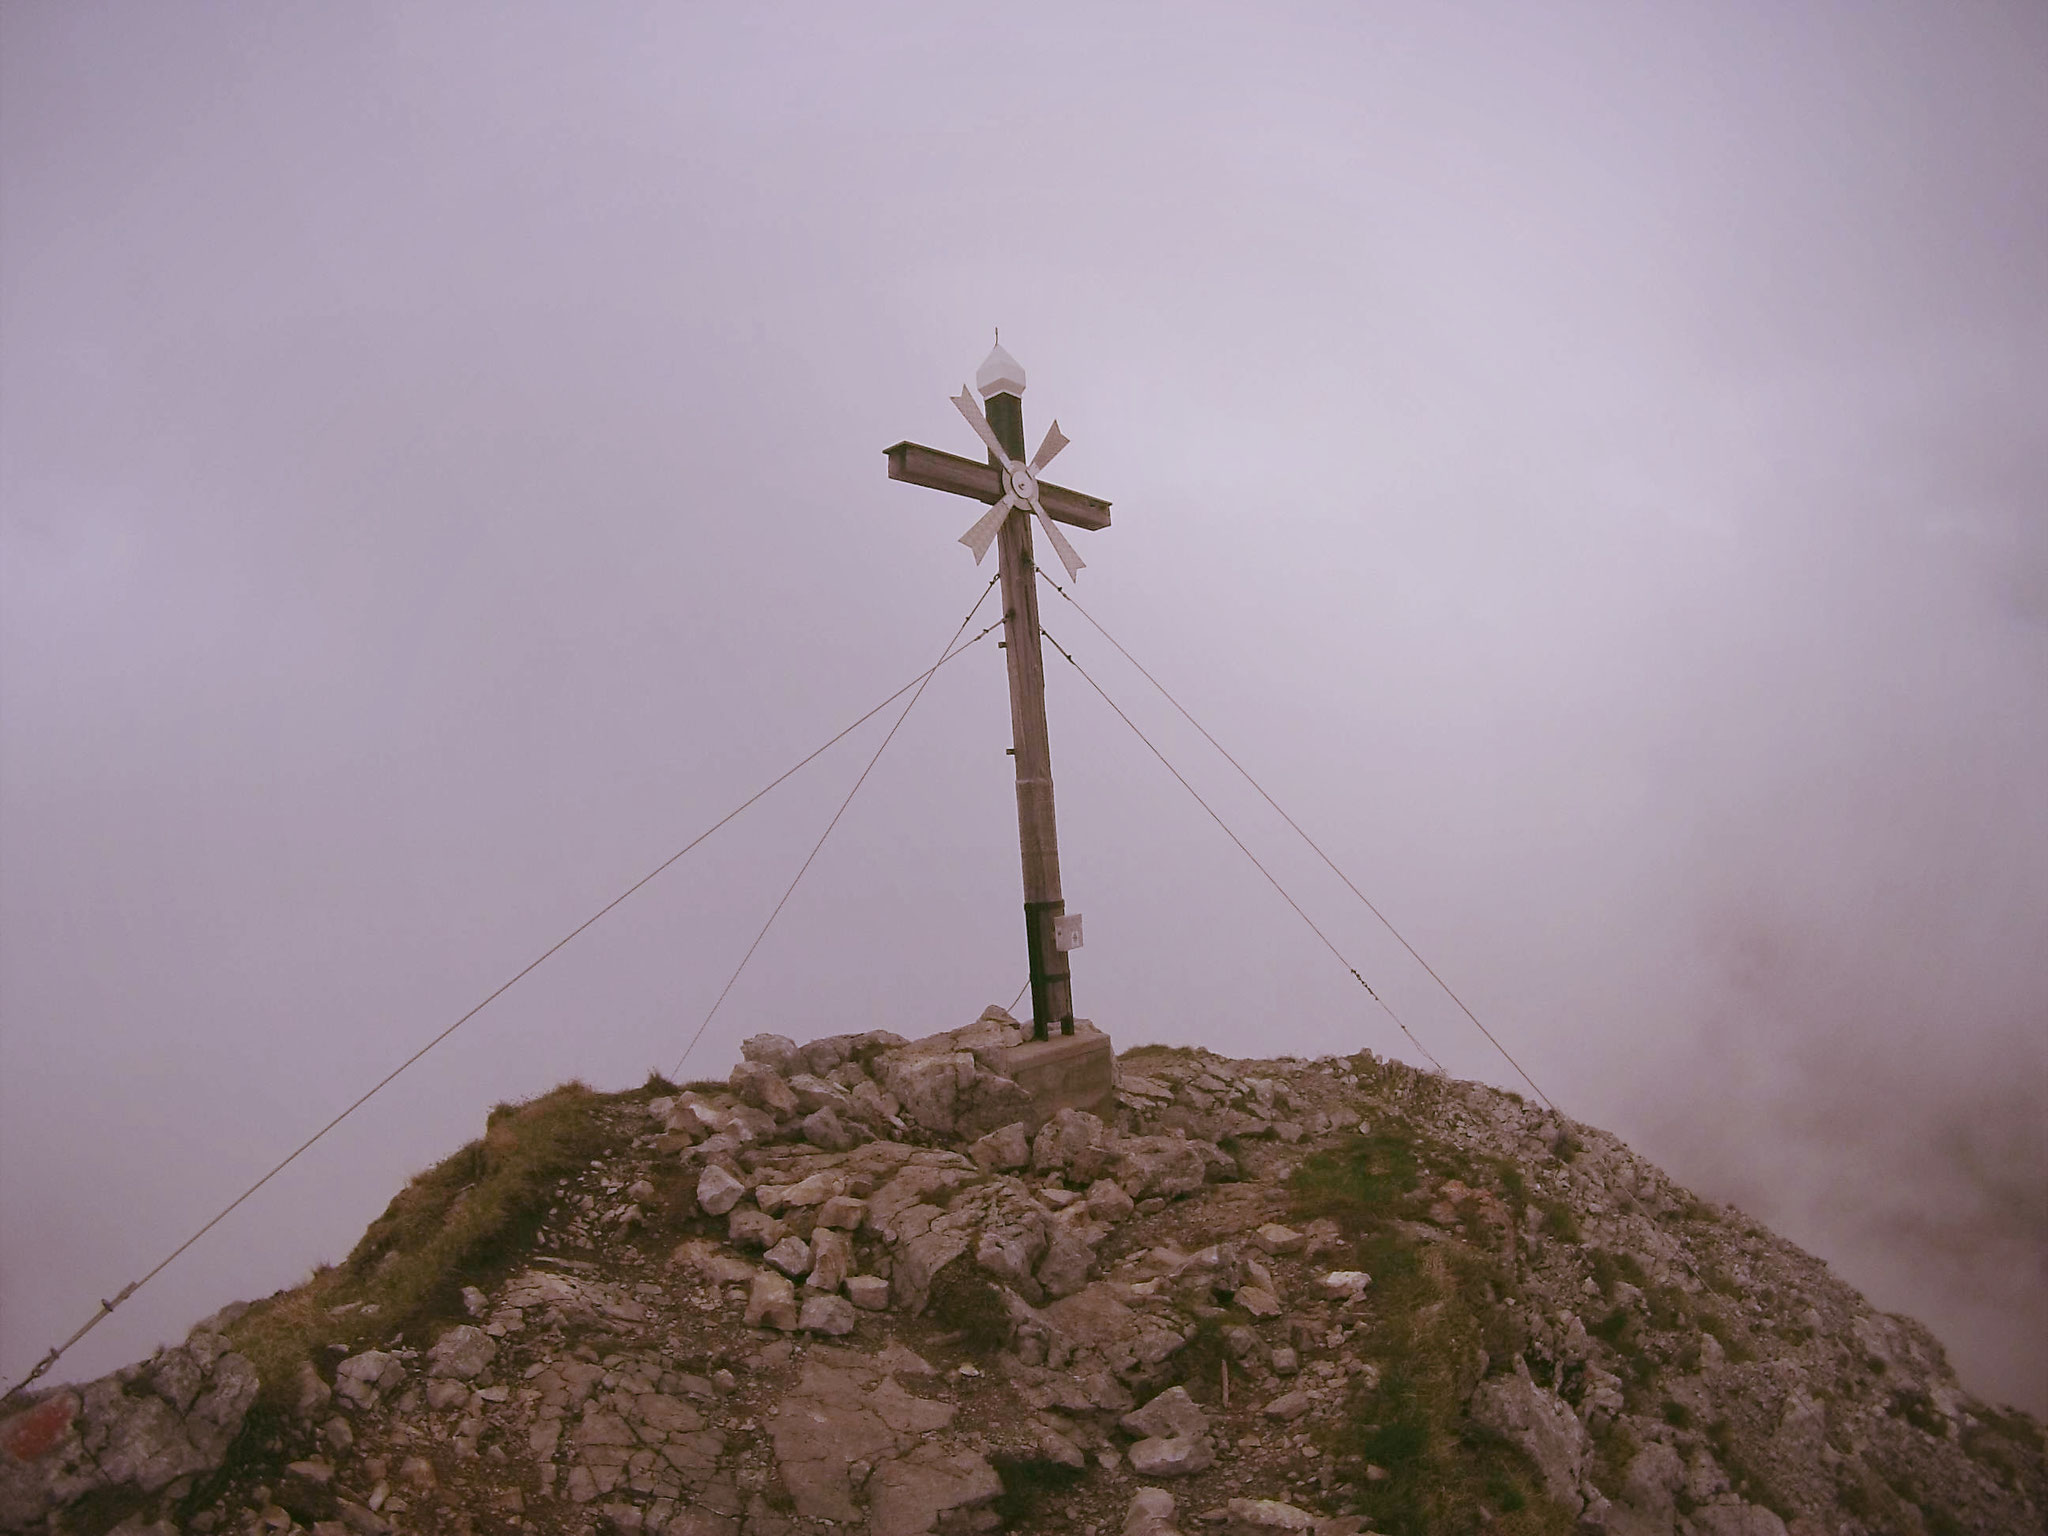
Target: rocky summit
pixel 867 1285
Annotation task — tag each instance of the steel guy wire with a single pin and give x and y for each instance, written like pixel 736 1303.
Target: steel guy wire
pixel 1241 848
pixel 946 654
pixel 1312 843
pixel 43 1365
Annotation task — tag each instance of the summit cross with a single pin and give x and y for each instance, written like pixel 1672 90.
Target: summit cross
pixel 1009 483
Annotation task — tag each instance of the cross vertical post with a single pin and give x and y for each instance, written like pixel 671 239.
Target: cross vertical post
pixel 1009 485
pixel 1052 992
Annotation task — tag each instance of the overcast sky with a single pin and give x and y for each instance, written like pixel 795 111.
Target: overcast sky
pixel 1591 461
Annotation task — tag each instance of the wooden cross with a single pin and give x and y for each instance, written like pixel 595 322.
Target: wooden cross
pixel 1015 493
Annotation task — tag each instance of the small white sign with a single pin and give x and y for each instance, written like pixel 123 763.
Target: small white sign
pixel 1066 932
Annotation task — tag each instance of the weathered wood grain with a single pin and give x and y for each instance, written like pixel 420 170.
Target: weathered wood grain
pixel 1052 998
pixel 919 465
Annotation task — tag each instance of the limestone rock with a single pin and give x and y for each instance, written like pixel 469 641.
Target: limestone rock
pixel 712 1262
pixel 361 1379
pixel 1257 1300
pixel 1010 1253
pixel 443 1395
pixel 918 1262
pixel 831 1259
pixel 1150 1514
pixel 754 1229
pixel 718 1191
pixel 1543 1426
pixel 683 1122
pixel 1176 1433
pixel 171 1419
pixel 1164 1166
pixel 868 1292
pixel 823 1428
pixel 910 1496
pixel 947 1091
pixel 1650 1487
pixel 1066 1265
pixel 814 1189
pixel 928 1087
pixel 463 1353
pixel 749 1122
pixel 1123 1340
pixel 1276 1239
pixel 778 1053
pixel 792 1256
pixel 814 1093
pixel 762 1086
pixel 990 1101
pixel 827 1314
pixel 911 1188
pixel 1172 1456
pixel 1267 1517
pixel 697 1115
pixel 844 1212
pixel 824 1129
pixel 772 1303
pixel 872 1105
pixel 1074 1143
pixel 1172 1412
pixel 829 1053
pixel 1061 1450
pixel 1003 1149
pixel 1108 1202
pixel 1288 1406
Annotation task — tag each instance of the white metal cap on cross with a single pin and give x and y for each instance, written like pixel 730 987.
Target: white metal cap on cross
pixel 999 375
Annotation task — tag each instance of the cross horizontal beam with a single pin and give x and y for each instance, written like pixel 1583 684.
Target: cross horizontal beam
pixel 984 482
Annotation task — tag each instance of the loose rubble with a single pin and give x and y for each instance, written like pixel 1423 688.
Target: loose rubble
pixel 860 1287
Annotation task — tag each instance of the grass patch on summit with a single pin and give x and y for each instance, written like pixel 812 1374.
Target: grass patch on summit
pixel 1438 1320
pixel 459 1223
pixel 462 1219
pixel 1190 1055
pixel 1359 1184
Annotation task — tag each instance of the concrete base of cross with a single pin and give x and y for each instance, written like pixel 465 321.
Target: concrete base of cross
pixel 1074 1071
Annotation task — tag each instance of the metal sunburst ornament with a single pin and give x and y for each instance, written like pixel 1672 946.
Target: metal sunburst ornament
pixel 999 375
